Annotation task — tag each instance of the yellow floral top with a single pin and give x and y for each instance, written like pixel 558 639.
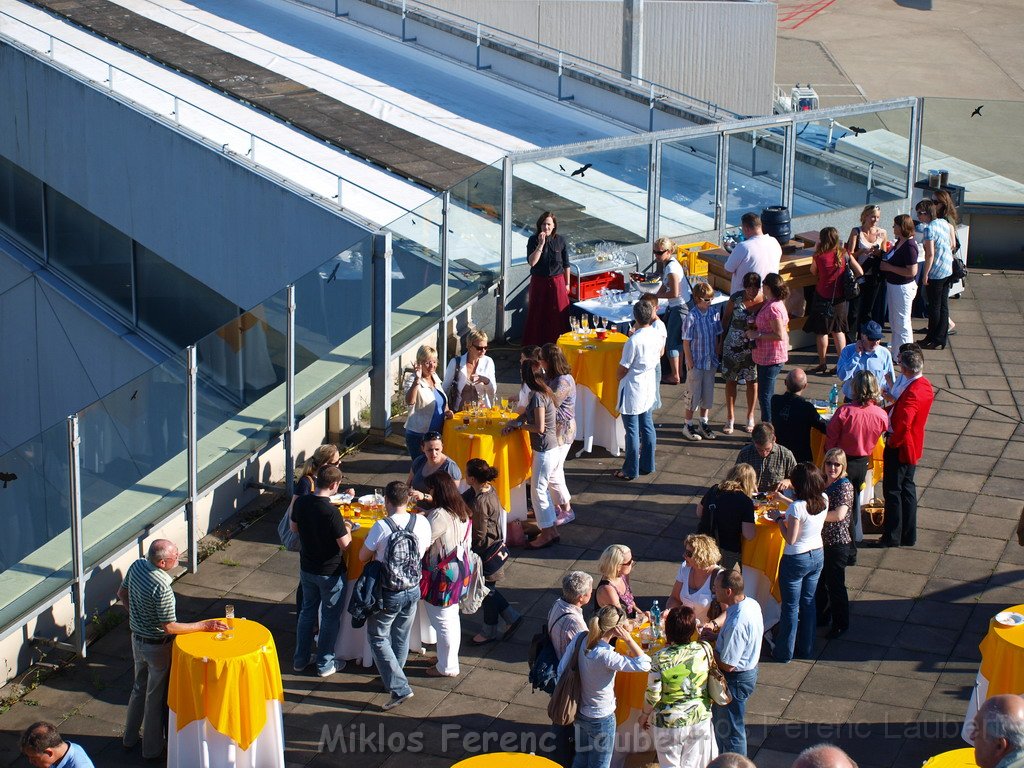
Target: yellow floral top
pixel 677 686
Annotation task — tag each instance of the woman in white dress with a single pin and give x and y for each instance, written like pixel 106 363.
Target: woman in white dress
pixel 701 558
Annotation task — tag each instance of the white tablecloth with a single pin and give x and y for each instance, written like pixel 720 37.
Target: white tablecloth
pixel 595 426
pixel 198 745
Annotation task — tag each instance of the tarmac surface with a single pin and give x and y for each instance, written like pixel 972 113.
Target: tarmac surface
pixel 892 691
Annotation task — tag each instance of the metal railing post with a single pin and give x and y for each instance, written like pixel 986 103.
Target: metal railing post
pixel 380 377
pixel 722 185
pixel 405 13
pixel 501 294
pixel 191 373
pixel 289 393
pixel 654 191
pixel 789 167
pixel 478 46
pixel 914 158
pixel 560 70
pixel 77 554
pixel 442 335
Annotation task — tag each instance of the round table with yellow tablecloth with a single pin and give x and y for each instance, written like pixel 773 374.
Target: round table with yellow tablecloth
pixel 874 475
pixel 510 454
pixel 630 688
pixel 760 557
pixel 224 698
pixel 506 760
pixel 595 367
pixel 954 758
pixel 1002 665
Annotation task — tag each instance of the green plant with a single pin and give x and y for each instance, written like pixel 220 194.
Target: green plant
pixel 209 545
pixel 103 623
pixel 229 562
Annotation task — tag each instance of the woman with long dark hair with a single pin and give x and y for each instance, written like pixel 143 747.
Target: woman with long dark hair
pixel 539 420
pixel 829 310
pixel 547 308
pixel 899 268
pixel 771 337
pixel 563 389
pixel 802 560
pixel 450 521
pixel 487 535
pixel 737 364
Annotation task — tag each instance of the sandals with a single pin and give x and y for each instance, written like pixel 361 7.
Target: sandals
pixel 819 370
pixel 728 429
pixel 750 426
pixel 620 475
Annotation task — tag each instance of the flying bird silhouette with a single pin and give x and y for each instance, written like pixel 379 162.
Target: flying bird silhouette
pixel 134 395
pixel 582 170
pixel 977 111
pixel 334 273
pixel 8 477
pixel 693 150
pixel 561 167
pixel 856 130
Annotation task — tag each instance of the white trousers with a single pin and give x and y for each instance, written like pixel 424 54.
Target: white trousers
pixel 556 485
pixel 448 626
pixel 900 298
pixel 692 746
pixel 544 483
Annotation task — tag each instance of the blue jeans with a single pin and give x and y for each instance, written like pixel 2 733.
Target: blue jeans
pixel 730 730
pixel 674 328
pixel 595 741
pixel 414 444
pixel 640 443
pixel 766 376
pixel 388 632
pixel 326 594
pixel 798 581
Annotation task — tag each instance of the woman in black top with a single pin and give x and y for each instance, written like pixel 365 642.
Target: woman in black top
pixel 899 268
pixel 547 309
pixel 727 513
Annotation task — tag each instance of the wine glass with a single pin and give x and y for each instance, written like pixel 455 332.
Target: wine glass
pixel 229 619
pixel 574 325
pixel 585 323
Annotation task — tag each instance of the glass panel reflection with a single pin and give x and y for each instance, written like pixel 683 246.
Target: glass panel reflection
pixel 416 272
pixel 688 185
pixel 21 205
pixel 755 172
pixel 474 235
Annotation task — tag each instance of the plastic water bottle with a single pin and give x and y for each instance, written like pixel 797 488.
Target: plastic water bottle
pixel 833 398
pixel 656 620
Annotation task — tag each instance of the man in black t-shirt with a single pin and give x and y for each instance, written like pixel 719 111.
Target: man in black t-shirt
pixel 794 417
pixel 323 538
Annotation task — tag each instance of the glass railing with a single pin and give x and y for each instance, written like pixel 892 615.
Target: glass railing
pixel 689 185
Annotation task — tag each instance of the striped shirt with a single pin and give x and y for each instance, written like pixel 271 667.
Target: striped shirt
pixel 939 232
pixel 702 330
pixel 150 599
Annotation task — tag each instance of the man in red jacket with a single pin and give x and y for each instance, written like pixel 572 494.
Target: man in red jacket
pixel 903 450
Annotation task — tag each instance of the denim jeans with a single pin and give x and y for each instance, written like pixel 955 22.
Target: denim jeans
pixel 414 444
pixel 595 741
pixel 493 604
pixel 766 376
pixel 326 594
pixel 674 329
pixel 388 632
pixel 147 706
pixel 641 441
pixel 798 581
pixel 730 730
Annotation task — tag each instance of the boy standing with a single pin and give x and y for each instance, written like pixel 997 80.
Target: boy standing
pixel 701 329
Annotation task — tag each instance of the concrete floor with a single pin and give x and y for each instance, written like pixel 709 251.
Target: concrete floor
pixel 893 691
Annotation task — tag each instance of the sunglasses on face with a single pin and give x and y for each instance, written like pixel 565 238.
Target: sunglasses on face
pixel 630 562
pixel 658 253
pixel 833 464
pixel 479 348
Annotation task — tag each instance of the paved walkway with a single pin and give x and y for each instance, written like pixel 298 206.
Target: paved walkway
pixel 892 691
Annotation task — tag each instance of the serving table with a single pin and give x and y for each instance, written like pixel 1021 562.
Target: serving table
pixel 1002 666
pixel 595 367
pixel 224 698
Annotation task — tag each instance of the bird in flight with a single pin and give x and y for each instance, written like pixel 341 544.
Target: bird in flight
pixel 8 477
pixel 582 170
pixel 561 167
pixel 977 111
pixel 134 395
pixel 858 131
pixel 334 273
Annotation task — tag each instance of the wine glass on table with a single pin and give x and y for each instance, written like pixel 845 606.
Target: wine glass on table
pixel 229 619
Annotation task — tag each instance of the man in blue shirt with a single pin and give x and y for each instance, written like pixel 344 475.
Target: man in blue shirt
pixel 867 354
pixel 737 652
pixel 43 747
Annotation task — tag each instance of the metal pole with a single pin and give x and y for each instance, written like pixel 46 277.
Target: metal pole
pixel 654 191
pixel 789 167
pixel 560 68
pixel 289 394
pixel 870 182
pixel 478 47
pixel 191 371
pixel 914 159
pixel 77 554
pixel 831 130
pixel 405 13
pixel 442 336
pixel 633 39
pixel 722 186
pixel 380 377
pixel 650 110
pixel 501 294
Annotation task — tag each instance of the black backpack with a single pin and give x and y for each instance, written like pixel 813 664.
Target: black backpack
pixel 401 566
pixel 543 661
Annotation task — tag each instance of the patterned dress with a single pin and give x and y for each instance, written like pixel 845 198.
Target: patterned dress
pixel 677 686
pixel 737 363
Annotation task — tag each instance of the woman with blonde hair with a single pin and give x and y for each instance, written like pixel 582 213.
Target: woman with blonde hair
pixel 694 582
pixel 469 378
pixel 866 244
pixel 427 402
pixel 829 310
pixel 675 288
pixel 831 598
pixel 598 663
pixel 615 566
pixel 726 512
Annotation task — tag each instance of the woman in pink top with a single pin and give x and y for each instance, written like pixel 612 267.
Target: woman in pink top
pixel 771 340
pixel 855 428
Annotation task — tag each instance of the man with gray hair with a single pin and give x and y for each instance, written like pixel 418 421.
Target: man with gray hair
pixel 998 732
pixel 903 450
pixel 823 756
pixel 565 619
pixel 146 593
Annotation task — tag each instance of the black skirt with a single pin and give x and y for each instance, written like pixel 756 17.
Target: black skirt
pixel 827 317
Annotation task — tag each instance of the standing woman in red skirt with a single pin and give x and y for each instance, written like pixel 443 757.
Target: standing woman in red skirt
pixel 547 310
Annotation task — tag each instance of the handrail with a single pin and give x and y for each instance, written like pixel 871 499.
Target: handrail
pixel 177 101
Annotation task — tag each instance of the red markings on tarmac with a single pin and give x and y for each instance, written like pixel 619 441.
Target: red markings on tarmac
pixel 793 15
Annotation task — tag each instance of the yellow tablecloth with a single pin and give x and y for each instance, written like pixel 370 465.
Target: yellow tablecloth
pixel 366 518
pixel 1002 657
pixel 764 552
pixel 596 369
pixel 510 453
pixel 227 682
pixel 506 760
pixel 955 758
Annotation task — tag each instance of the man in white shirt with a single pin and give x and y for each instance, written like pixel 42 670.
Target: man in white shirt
pixel 389 629
pixel 638 388
pixel 758 252
pixel 737 652
pixel 675 288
